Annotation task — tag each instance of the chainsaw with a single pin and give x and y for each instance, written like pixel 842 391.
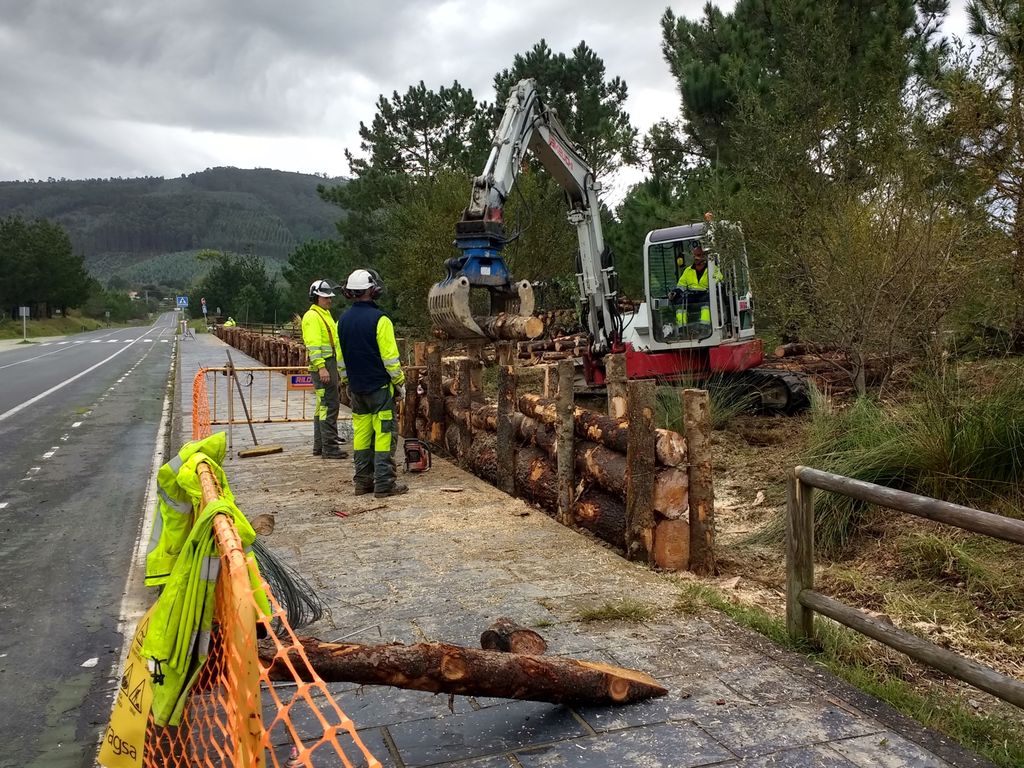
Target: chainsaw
pixel 417 455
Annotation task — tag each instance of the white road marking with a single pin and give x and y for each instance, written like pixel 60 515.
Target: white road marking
pixel 147 339
pixel 62 343
pixel 3 505
pixel 91 662
pixel 76 425
pixel 31 472
pixel 50 452
pixel 64 383
pixel 64 437
pixel 96 341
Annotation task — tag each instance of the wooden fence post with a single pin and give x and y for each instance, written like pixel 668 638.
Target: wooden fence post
pixel 506 452
pixel 615 380
pixel 697 428
pixel 565 435
pixel 799 555
pixel 419 354
pixel 411 404
pixel 435 396
pixel 640 456
pixel 465 368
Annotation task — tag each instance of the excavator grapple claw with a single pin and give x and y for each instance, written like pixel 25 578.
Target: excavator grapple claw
pixel 449 305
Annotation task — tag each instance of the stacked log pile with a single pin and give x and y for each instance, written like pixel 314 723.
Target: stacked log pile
pixel 597 446
pixel 828 367
pixel 274 351
pixel 549 350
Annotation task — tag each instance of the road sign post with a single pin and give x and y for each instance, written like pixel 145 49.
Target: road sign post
pixel 23 311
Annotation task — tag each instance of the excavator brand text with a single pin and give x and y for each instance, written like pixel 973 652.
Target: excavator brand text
pixel 560 151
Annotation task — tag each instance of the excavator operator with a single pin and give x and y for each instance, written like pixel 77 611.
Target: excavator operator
pixel 691 291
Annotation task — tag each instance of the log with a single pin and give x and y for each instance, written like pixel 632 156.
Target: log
pixel 444 668
pixel 511 327
pixel 803 348
pixel 610 432
pixel 507 636
pixel 602 515
pixel 593 461
pixel 565 454
pixel 697 420
pixel 640 472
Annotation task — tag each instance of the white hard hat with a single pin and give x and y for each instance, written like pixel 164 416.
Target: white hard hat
pixel 360 280
pixel 321 288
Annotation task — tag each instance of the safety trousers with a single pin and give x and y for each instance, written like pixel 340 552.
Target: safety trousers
pixel 325 416
pixel 692 310
pixel 373 439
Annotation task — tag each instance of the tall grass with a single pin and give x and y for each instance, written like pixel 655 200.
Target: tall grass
pixel 953 440
pixel 727 400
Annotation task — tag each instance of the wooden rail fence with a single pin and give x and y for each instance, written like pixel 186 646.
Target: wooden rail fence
pixel 802 601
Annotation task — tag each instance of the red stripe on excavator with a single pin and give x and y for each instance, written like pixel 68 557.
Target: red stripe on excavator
pixel 727 358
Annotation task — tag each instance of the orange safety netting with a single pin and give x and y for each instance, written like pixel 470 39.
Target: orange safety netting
pixel 200 406
pixel 235 715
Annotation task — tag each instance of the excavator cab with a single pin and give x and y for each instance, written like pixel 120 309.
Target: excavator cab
pixel 706 304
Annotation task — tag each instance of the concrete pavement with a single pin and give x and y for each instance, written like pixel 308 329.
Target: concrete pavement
pixel 442 562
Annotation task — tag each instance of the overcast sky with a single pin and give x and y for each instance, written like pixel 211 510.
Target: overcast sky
pixel 100 88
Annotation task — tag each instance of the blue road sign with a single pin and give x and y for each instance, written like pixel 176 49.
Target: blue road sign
pixel 182 301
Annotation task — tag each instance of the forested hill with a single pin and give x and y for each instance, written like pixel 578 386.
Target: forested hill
pixel 135 226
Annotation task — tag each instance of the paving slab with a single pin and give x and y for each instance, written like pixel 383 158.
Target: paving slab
pixel 445 560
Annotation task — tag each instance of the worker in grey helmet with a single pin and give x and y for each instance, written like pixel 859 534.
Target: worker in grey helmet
pixel 319 334
pixel 371 367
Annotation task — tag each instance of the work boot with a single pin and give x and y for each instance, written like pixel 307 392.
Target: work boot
pixel 362 490
pixel 395 490
pixel 318 451
pixel 336 455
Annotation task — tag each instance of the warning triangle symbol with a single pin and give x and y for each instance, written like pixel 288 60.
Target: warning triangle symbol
pixel 126 679
pixel 136 696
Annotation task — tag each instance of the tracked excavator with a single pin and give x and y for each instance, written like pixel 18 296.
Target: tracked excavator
pixel 679 332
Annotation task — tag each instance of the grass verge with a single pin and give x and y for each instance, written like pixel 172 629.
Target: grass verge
pixel 854 659
pixel 618 610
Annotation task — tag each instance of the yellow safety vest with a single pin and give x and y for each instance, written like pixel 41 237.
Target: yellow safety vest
pixel 320 335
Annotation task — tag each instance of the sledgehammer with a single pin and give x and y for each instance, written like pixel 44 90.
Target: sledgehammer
pixel 246 453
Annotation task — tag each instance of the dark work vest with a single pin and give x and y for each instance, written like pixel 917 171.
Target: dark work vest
pixel 357 334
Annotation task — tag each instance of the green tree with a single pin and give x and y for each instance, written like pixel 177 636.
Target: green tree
pixel 987 93
pixel 314 260
pixel 591 107
pixel 424 132
pixel 39 266
pixel 222 286
pixel 847 55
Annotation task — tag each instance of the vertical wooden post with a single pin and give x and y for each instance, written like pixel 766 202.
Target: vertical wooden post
pixel 475 352
pixel 506 352
pixel 403 349
pixel 799 555
pixel 640 456
pixel 697 428
pixel 411 404
pixel 506 456
pixel 419 354
pixel 435 396
pixel 615 380
pixel 547 380
pixel 565 436
pixel 465 369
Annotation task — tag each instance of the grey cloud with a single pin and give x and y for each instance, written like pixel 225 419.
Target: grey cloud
pixel 113 87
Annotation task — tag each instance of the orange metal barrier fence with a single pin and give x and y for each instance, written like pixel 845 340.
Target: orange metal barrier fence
pixel 276 395
pixel 228 721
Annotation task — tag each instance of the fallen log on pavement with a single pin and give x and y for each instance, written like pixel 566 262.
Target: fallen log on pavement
pixel 608 431
pixel 443 668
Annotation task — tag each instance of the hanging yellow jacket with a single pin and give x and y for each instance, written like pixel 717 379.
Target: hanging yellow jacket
pixel 178 640
pixel 320 335
pixel 175 509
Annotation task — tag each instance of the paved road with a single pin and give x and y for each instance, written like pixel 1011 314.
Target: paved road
pixel 79 419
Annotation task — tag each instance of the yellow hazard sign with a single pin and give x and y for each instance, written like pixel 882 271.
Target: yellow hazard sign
pixel 125 739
